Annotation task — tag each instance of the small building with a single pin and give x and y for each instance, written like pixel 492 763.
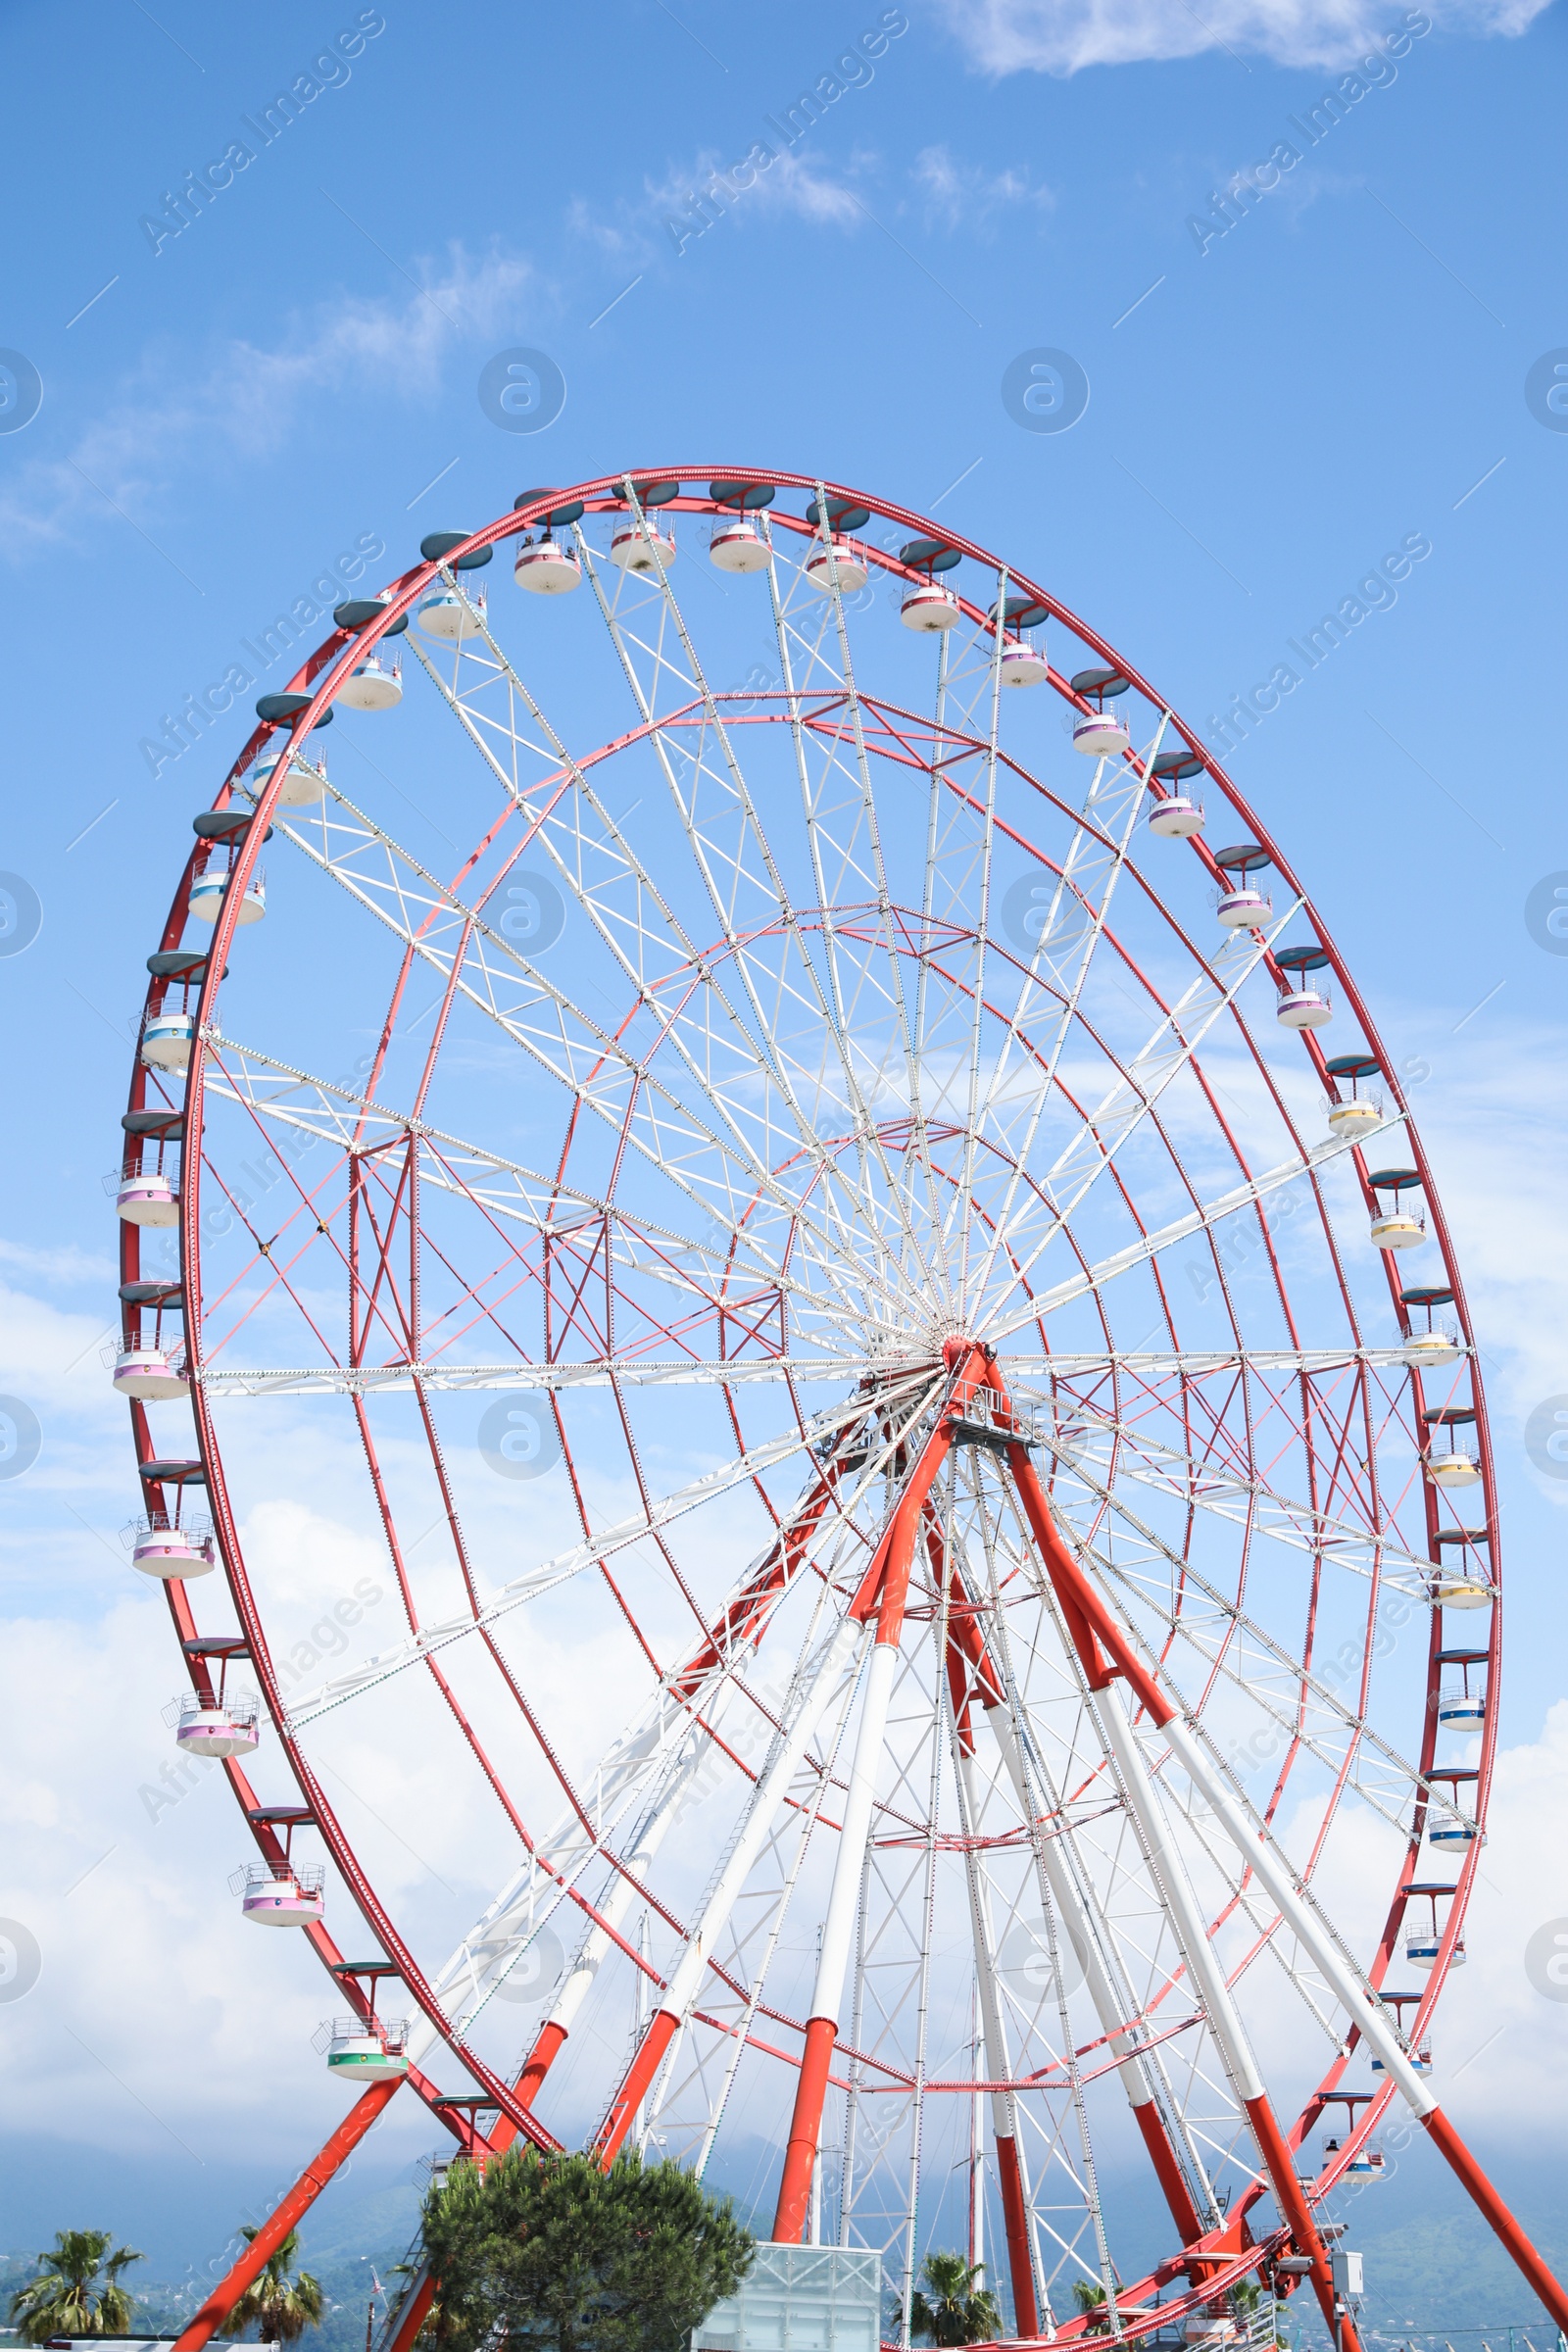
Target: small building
pixel 800 2300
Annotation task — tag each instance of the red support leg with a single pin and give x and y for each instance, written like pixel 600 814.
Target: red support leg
pixel 1168 2173
pixel 799 2154
pixel 1015 2222
pixel 1291 2198
pixel 662 2027
pixel 1524 2254
pixel 301 2197
pixel 411 2318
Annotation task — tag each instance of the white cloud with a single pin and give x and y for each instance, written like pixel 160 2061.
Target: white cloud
pixel 70 1265
pixel 963 195
pixel 1060 36
pixel 249 398
pixel 794 184
pixel 695 199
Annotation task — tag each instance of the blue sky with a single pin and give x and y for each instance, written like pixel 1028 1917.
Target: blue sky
pixel 1312 337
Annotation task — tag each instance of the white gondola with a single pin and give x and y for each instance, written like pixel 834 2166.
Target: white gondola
pixel 1397 1227
pixel 546 569
pixel 1244 907
pixel 279 1895
pixel 1432 1348
pixel 1177 817
pixel 451 617
pixel 230 1727
pixel 1357 1116
pixel 1421 1949
pixel 209 891
pixel 1365 2166
pixel 1444 1831
pixel 303 786
pixel 1453 1589
pixel 738 547
pixel 929 607
pixel 367 2050
pixel 1420 2060
pixel 1303 1008
pixel 147 1371
pixel 837 562
pixel 373 685
pixel 148 1199
pixel 1022 663
pixel 1463 1707
pixel 169 1552
pixel 1100 733
pixel 642 548
pixel 1021 656
pixel 1454 1469
pixel 167 1039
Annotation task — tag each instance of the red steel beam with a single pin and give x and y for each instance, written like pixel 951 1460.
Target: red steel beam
pixel 365 2111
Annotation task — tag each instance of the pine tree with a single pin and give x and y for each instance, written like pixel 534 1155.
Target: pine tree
pixel 559 2256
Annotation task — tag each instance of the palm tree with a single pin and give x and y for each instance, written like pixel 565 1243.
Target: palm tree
pixel 959 2310
pixel 281 2308
pixel 1090 2297
pixel 77 2291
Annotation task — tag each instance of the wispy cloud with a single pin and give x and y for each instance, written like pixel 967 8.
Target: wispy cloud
pixel 810 191
pixel 1060 36
pixel 966 195
pixel 696 195
pixel 248 397
pixel 70 1265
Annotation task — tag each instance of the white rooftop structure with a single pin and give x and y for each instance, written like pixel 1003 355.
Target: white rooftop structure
pixel 800 2300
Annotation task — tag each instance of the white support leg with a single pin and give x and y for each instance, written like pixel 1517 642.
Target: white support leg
pixel 1260 1855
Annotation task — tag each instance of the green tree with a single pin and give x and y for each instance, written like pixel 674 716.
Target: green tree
pixel 1090 2297
pixel 77 2290
pixel 560 2256
pixel 957 2310
pixel 279 2307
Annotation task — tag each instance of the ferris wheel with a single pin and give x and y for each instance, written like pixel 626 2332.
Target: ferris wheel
pixel 932 1651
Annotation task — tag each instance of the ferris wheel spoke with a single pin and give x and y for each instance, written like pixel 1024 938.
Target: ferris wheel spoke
pixel 560 1570
pixel 554 1379
pixel 862 850
pixel 1154 1365
pixel 1069 935
pixel 1204 1218
pixel 752 1048
pixel 764 911
pixel 859 867
pixel 961 1204
pixel 712 1164
pixel 1170 1052
pixel 1210 1486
